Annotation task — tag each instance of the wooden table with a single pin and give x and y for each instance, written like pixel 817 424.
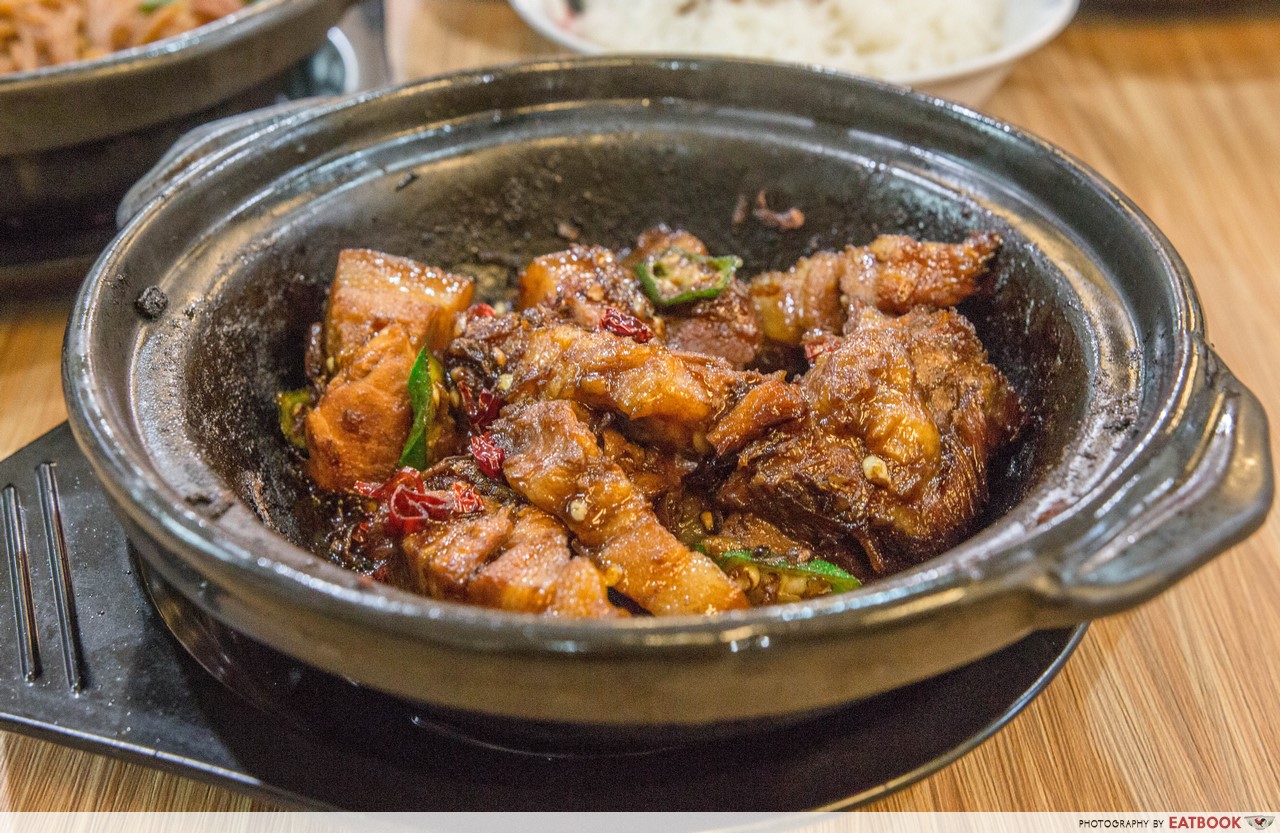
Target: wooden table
pixel 1175 706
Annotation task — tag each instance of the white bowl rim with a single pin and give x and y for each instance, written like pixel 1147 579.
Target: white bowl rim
pixel 534 13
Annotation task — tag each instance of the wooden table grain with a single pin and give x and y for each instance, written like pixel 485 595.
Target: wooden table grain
pixel 1174 706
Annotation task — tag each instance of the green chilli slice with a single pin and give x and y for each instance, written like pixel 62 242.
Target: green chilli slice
pixel 835 578
pixel 426 386
pixel 679 277
pixel 292 406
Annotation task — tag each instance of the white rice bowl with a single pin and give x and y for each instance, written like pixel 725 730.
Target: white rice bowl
pixel 884 38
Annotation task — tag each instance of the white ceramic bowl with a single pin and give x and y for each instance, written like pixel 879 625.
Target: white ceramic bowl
pixel 1028 25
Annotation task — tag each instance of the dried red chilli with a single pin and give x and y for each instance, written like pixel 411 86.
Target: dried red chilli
pixel 379 491
pixel 480 407
pixel 408 506
pixel 481 310
pixel 623 324
pixel 409 511
pixel 488 454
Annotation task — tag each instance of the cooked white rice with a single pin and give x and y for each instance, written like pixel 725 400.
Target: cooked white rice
pixel 884 38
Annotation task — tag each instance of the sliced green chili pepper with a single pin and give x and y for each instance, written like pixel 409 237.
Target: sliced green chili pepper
pixel 426 385
pixel 293 406
pixel 678 277
pixel 766 577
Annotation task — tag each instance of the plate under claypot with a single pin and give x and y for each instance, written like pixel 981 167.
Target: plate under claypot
pixel 115 662
pixel 1144 459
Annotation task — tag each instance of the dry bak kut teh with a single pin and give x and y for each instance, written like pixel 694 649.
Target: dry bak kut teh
pixel 35 34
pixel 646 432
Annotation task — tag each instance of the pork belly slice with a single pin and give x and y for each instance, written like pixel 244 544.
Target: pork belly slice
pixel 801 301
pixel 359 425
pixel 372 289
pixel 580 284
pixel 511 557
pixel 381 311
pixel 902 418
pixel 554 459
pixel 536 573
pixel 726 326
pixel 444 559
pixel 671 399
pixel 771 403
pixel 894 273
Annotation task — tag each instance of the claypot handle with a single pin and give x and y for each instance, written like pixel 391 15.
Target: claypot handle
pixel 1207 486
pixel 197 144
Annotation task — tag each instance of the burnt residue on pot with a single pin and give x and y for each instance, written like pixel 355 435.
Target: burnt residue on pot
pixel 151 302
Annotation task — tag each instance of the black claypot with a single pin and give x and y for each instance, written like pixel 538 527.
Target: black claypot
pixel 1145 459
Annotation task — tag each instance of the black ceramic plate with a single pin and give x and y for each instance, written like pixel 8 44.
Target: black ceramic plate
pixel 90 664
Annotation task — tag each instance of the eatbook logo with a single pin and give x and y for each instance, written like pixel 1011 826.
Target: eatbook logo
pixel 1260 822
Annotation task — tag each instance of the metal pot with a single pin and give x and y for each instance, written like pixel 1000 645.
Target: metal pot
pixel 1145 459
pixel 74 137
